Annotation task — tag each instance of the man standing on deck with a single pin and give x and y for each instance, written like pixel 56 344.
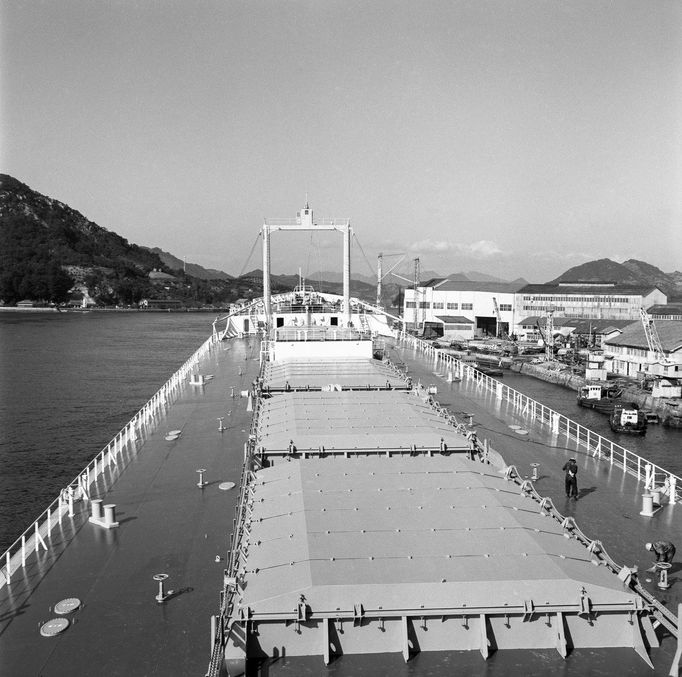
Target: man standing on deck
pixel 664 550
pixel 571 479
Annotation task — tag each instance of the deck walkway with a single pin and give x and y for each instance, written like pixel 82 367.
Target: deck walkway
pixel 167 525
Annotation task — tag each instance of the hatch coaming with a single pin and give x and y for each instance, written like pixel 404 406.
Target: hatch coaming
pixel 404 540
pixel 383 421
pixel 302 373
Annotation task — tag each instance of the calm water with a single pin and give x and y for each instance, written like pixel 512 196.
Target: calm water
pixel 68 383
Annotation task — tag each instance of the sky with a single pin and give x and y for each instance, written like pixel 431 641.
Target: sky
pixel 514 137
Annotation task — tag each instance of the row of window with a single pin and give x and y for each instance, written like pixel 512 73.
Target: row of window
pixel 450 306
pixel 544 309
pixel 579 299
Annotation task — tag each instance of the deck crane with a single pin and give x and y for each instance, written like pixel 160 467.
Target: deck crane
pixel 652 338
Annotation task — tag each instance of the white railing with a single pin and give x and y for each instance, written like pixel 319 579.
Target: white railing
pixel 287 334
pixel 652 475
pixel 37 536
pixel 324 221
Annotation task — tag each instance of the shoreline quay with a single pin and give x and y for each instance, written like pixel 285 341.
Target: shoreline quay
pixel 665 409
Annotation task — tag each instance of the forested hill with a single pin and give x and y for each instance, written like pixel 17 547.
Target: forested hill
pixel 43 242
pixel 49 251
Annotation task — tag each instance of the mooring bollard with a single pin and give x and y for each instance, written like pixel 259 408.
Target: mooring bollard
pixel 110 516
pixel 96 505
pixel 221 427
pixel 662 571
pixel 656 496
pixel 647 505
pixel 201 484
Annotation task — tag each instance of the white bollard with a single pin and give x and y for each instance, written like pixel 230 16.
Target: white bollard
pixel 110 513
pixel 96 506
pixel 647 505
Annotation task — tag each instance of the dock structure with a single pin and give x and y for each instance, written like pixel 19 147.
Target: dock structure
pixel 374 525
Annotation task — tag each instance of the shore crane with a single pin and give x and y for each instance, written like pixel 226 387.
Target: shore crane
pixel 498 323
pixel 415 281
pixel 548 335
pixel 381 275
pixel 652 338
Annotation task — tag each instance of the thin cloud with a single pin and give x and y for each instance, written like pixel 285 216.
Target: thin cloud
pixel 479 249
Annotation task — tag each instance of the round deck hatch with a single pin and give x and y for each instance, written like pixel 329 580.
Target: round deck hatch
pixel 513 426
pixel 54 627
pixel 225 486
pixel 521 431
pixel 171 438
pixel 174 432
pixel 67 606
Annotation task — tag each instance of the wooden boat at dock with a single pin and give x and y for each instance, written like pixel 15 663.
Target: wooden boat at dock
pixel 601 397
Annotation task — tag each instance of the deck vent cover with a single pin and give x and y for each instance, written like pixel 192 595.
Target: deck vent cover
pixel 54 627
pixel 67 606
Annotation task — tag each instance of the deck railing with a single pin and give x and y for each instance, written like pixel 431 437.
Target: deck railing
pixel 285 334
pixel 116 453
pixel 650 474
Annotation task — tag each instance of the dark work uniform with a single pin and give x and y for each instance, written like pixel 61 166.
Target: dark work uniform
pixel 571 470
pixel 664 551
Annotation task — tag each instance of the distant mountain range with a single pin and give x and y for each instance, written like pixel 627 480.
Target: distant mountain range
pixel 193 269
pixel 470 276
pixel 629 272
pixel 46 247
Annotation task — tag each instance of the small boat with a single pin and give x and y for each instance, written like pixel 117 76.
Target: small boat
pixel 599 396
pixel 628 419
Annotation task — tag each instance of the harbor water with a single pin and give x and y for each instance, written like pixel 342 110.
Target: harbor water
pixel 68 383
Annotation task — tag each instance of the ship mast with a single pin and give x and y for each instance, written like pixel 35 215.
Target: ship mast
pixel 416 294
pixel 304 221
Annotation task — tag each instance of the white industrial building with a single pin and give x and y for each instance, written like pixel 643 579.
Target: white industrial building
pixel 462 309
pixel 630 353
pixel 587 300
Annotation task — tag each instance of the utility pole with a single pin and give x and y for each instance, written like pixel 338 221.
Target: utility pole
pixel 379 276
pixel 498 318
pixel 416 294
pixel 549 335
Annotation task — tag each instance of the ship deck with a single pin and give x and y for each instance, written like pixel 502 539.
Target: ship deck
pixel 169 525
